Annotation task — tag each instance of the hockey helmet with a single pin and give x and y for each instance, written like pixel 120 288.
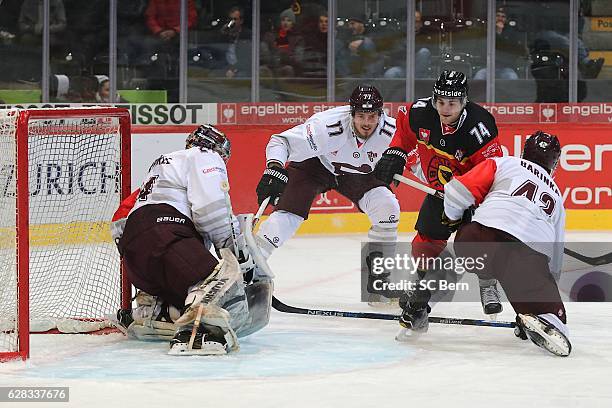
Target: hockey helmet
pixel 451 84
pixel 209 137
pixel 544 149
pixel 366 98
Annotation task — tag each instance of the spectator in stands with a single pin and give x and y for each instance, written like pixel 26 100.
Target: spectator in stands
pixel 509 45
pixel 397 56
pixel 9 10
pixel 31 21
pixel 238 39
pixel 550 69
pixel 163 18
pixel 12 65
pixel 88 26
pixel 314 55
pixel 131 29
pixel 279 48
pixel 552 40
pixel 103 93
pixel 358 56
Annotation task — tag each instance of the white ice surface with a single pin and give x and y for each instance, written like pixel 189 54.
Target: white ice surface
pixel 307 361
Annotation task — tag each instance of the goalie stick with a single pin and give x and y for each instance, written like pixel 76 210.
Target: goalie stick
pixel 261 209
pixel 282 307
pixel 593 261
pixel 228 204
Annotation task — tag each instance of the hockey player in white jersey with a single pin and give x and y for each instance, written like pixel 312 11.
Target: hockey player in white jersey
pixel 519 223
pixel 174 218
pixel 335 149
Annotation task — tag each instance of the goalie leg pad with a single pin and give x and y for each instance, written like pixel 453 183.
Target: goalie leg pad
pixel 211 290
pixel 214 335
pixel 217 303
pixel 259 296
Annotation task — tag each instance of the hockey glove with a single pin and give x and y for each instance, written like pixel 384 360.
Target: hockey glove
pixel 391 163
pixel 453 225
pixel 272 184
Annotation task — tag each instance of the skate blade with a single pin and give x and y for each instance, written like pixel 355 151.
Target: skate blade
pixel 554 341
pixel 209 348
pixel 405 335
pixel 492 317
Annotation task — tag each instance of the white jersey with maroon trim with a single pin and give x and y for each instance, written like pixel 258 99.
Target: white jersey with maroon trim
pixel 515 196
pixel 190 181
pixel 329 135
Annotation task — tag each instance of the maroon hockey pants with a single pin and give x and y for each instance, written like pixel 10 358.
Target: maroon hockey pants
pixel 522 272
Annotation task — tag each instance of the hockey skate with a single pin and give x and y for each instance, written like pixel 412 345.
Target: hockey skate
pixel 415 314
pixel 545 334
pixel 490 298
pixel 377 297
pixel 208 341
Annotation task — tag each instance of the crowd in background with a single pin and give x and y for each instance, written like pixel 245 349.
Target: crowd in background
pixel 293 44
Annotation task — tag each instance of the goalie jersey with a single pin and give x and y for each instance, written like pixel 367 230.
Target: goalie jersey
pixel 330 136
pixel 190 181
pixel 516 196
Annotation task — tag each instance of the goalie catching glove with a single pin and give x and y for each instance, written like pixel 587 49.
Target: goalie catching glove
pixel 392 162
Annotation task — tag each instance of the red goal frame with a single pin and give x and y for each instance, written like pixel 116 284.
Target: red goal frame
pixel 22 205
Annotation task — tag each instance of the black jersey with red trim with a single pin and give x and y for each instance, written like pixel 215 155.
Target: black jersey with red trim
pixel 443 150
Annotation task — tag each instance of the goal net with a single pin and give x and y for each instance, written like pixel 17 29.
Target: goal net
pixel 63 172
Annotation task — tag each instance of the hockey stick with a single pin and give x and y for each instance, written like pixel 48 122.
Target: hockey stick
pixel 282 307
pixel 593 261
pixel 419 186
pixel 230 215
pixel 261 209
pixel 196 324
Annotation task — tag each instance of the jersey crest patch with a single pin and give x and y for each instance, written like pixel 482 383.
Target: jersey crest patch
pixel 424 134
pixel 459 154
pixel 493 150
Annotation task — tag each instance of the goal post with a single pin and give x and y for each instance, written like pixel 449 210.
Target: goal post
pixel 63 172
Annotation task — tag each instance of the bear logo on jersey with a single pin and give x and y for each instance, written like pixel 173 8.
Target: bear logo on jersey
pixel 439 172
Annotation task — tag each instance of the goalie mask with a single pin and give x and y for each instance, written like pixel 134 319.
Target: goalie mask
pixel 544 149
pixel 209 137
